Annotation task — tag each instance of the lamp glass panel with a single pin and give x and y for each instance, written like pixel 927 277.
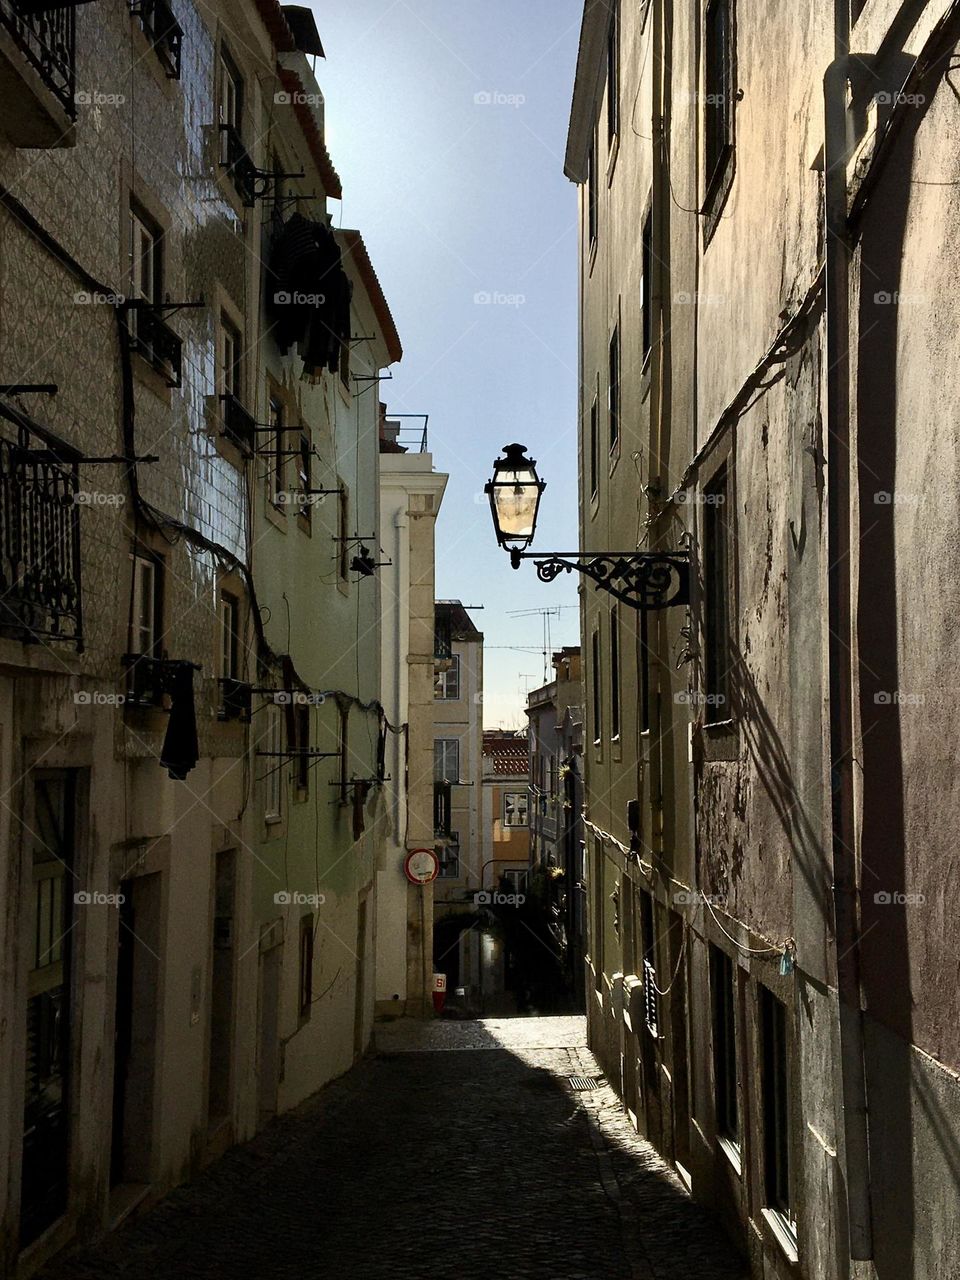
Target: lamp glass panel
pixel 516 494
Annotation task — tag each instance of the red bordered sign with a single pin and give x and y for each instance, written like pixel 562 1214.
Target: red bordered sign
pixel 421 866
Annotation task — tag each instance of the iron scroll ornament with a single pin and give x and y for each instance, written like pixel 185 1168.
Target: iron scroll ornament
pixel 640 579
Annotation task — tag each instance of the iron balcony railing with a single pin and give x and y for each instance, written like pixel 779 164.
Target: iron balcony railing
pixel 162 30
pixel 46 36
pixel 157 342
pixel 236 699
pixel 442 638
pixel 442 810
pixel 40 597
pixel 239 426
pixel 236 161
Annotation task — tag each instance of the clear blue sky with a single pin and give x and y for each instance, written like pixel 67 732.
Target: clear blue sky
pixel 447 122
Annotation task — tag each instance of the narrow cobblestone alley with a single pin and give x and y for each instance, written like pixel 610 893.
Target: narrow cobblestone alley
pixel 458 1150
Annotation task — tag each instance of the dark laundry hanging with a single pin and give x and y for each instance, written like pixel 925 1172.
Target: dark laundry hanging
pixel 308 293
pixel 181 749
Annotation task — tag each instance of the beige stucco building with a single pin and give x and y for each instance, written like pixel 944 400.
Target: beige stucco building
pixel 411 492
pixel 185 949
pixel 767 202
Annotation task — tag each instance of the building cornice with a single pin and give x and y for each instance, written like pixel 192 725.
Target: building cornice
pixel 587 87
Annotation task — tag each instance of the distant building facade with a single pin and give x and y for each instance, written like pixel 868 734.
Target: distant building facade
pixel 411 492
pixel 555 713
pixel 458 778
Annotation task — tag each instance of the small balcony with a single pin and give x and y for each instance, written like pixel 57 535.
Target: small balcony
pixel 39 544
pixel 236 700
pixel 157 343
pixel 162 30
pixel 146 680
pixel 442 810
pixel 240 168
pixel 239 426
pixel 37 73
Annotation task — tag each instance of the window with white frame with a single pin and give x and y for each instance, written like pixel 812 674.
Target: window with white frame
pixel 447 681
pixel 145 614
pixel 446 759
pixel 229 371
pixel 231 102
pixel 515 808
pixel 229 636
pixel 775 1078
pixel 146 261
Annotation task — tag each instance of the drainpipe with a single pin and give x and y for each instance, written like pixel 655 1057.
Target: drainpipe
pixel 837 148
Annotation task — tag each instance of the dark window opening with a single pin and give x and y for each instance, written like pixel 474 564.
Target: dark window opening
pixel 722 990
pixel 594 448
pixel 613 394
pixel 776 1103
pixel 718 88
pixel 306 967
pixel 615 672
pixel 595 673
pixel 717 587
pixel 613 74
pixel 646 286
pixel 592 210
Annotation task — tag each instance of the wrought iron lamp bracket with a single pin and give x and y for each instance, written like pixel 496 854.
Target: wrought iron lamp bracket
pixel 640 579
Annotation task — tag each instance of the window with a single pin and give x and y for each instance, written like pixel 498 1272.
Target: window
pixel 343 746
pixel 306 967
pixel 596 689
pixel 613 390
pixel 229 378
pixel 651 997
pixel 644 664
pixel 146 614
pixel 718 88
pixel 591 195
pixel 717 587
pixel 594 447
pixel 163 31
pixel 146 258
pixel 304 477
pixel 613 74
pixel 596 936
pixel 515 809
pixel 516 878
pixel 722 989
pixel 344 363
pixel 229 636
pixel 776 1108
pixel 231 104
pixel 646 287
pixel 446 684
pixel 273 764
pixel 446 759
pixel 302 722
pixel 278 438
pixel 615 672
pixel 449 855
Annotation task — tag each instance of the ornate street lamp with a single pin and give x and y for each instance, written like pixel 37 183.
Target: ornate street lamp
pixel 641 579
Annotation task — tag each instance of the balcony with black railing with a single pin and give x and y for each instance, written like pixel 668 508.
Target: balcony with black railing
pixel 38 86
pixel 162 30
pixel 236 699
pixel 239 426
pixel 40 597
pixel 153 338
pixel 241 170
pixel 442 810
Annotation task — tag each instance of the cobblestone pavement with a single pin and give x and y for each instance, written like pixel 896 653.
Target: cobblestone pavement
pixel 428 1162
